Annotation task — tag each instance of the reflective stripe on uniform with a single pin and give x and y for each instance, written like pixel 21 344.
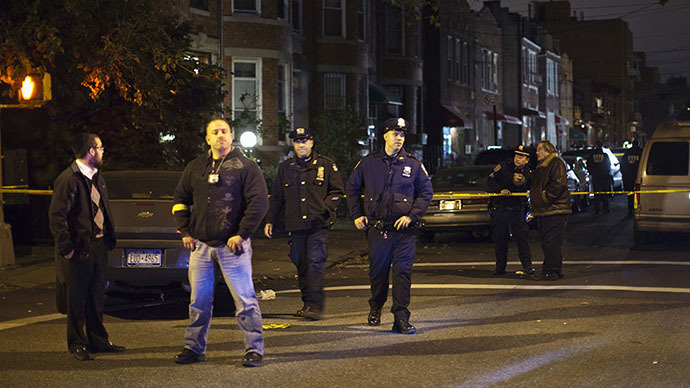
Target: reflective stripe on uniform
pixel 179 207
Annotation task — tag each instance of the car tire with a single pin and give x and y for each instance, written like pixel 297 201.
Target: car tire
pixel 223 304
pixel 61 296
pixel 481 234
pixel 427 236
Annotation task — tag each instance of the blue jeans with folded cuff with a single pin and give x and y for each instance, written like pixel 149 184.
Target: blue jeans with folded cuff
pixel 237 272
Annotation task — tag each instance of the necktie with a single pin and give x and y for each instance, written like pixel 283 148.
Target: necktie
pixel 98 218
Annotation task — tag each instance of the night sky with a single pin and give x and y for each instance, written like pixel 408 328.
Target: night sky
pixel 663 32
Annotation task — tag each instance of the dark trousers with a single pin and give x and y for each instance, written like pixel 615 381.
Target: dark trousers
pixel 396 249
pixel 629 185
pixel 552 231
pixel 308 253
pixel 506 219
pixel 86 298
pixel 601 185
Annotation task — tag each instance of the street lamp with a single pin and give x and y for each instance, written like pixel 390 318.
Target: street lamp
pixel 248 141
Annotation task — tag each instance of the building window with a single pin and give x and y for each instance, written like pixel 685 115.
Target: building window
pixel 334 91
pixel 449 56
pixel 555 78
pixel 199 4
pixel 456 62
pixel 465 63
pixel 533 67
pixel 549 77
pixel 494 73
pixel 333 18
pixel 525 67
pixel 363 95
pixel 395 31
pixel 245 93
pixel 362 20
pixel 246 7
pixel 297 15
pixel 489 70
pixel 281 9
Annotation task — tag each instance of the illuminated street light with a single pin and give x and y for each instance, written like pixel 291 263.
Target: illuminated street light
pixel 28 87
pixel 248 139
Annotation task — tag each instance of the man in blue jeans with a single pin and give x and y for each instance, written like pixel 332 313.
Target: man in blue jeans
pixel 220 201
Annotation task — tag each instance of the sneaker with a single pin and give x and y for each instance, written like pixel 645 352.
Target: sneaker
pixel 252 359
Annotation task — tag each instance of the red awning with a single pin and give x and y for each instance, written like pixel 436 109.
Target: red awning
pixel 533 112
pixel 454 118
pixel 503 117
pixel 562 120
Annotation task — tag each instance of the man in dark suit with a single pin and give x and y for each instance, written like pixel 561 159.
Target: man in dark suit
pixel 81 222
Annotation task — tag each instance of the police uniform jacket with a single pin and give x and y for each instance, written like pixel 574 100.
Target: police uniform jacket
pixel 502 178
pixel 71 212
pixel 599 164
pixel 392 187
pixel 311 190
pixel 549 193
pixel 214 212
pixel 629 165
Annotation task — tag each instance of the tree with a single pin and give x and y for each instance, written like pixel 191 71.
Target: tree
pixel 119 69
pixel 340 138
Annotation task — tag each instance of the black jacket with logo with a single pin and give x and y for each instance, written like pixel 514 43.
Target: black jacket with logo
pixel 311 190
pixel 502 177
pixel 214 212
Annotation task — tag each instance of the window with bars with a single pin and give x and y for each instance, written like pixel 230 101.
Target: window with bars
pixel 333 18
pixel 334 96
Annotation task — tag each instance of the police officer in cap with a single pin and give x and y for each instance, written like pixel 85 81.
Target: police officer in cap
pixel 310 187
pixel 511 176
pixel 397 191
pixel 599 166
pixel 629 165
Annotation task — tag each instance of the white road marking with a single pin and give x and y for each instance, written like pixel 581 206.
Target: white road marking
pixel 568 262
pixel 28 321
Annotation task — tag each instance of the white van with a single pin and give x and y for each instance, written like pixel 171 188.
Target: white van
pixel 664 165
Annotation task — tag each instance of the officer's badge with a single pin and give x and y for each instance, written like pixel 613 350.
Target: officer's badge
pixel 320 174
pixel 598 158
pixel 632 159
pixel 497 168
pixel 335 168
pixel 407 171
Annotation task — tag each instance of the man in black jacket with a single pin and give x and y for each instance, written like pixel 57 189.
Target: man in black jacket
pixel 219 203
pixel 511 176
pixel 550 201
pixel 599 166
pixel 310 186
pixel 629 165
pixel 81 222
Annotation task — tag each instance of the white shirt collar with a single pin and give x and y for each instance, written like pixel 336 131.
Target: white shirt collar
pixel 86 170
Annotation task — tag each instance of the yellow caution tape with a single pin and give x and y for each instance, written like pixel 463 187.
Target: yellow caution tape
pixel 275 326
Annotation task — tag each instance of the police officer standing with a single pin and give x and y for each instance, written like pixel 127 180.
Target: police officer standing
pixel 397 191
pixel 311 188
pixel 599 166
pixel 629 166
pixel 511 176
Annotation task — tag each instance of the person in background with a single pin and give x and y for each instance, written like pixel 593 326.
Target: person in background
pixel 599 166
pixel 629 165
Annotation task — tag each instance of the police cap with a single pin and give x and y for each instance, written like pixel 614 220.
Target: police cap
pixel 521 150
pixel 394 124
pixel 301 134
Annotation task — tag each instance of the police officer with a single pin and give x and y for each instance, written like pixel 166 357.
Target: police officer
pixel 511 176
pixel 397 191
pixel 599 166
pixel 311 188
pixel 629 166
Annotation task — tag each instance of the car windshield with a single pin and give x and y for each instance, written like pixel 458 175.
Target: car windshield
pixel 141 185
pixel 455 179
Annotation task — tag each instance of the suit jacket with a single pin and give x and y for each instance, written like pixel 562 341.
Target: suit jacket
pixel 71 215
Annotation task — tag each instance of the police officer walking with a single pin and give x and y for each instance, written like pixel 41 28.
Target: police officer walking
pixel 311 188
pixel 511 176
pixel 629 166
pixel 599 166
pixel 397 191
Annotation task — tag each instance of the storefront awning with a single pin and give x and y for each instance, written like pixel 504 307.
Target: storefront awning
pixel 379 95
pixel 562 120
pixel 533 112
pixel 454 118
pixel 503 117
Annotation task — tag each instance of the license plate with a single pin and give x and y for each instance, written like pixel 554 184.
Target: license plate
pixel 144 257
pixel 449 205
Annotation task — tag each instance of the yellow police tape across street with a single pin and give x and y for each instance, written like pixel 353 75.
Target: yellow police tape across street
pixel 18 190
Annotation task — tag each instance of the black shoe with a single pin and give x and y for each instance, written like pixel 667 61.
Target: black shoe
pixel 526 272
pixel 550 276
pixel 300 312
pixel 252 359
pixel 109 348
pixel 499 271
pixel 81 354
pixel 313 314
pixel 189 357
pixel 374 318
pixel 403 327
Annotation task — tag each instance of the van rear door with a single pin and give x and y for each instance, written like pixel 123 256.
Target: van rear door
pixel 667 168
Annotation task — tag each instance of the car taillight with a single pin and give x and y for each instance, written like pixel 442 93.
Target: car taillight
pixel 637 195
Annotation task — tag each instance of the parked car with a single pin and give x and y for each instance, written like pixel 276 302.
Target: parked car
pixel 617 176
pixel 447 212
pixel 578 165
pixel 497 155
pixel 664 165
pixel 149 252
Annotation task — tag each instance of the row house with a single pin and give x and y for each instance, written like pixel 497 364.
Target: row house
pixel 289 61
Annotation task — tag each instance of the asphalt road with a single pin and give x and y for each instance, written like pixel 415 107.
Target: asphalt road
pixel 618 318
